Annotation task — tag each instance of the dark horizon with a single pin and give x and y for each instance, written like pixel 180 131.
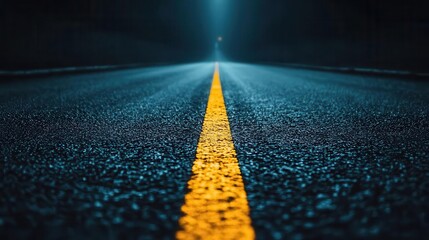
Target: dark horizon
pixel 367 33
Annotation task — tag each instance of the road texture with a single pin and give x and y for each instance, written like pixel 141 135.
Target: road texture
pixel 105 154
pixel 109 154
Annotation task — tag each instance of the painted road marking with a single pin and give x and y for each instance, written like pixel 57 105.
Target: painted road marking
pixel 216 205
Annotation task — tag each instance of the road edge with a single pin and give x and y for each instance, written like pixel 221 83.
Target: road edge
pixel 401 74
pixel 12 75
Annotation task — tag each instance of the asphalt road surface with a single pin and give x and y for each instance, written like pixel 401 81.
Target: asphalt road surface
pixel 108 155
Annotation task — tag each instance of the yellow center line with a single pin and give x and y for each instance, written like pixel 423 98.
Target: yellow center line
pixel 216 204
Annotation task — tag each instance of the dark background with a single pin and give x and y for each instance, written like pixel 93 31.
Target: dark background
pixel 367 33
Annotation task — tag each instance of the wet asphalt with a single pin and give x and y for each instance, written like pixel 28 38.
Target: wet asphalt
pixel 107 155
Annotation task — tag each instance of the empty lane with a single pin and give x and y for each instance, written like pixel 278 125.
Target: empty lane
pixel 330 155
pixel 106 154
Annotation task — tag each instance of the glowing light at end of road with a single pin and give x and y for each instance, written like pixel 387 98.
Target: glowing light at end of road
pixel 216 205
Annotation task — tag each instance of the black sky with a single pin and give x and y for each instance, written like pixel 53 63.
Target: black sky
pixel 376 33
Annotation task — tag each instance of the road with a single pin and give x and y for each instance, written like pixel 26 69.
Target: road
pixel 110 154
